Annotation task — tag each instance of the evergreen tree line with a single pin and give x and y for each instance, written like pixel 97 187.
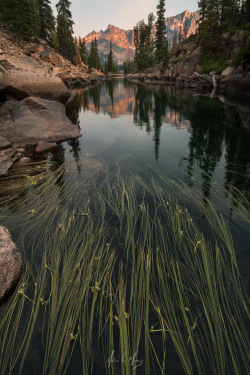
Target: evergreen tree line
pixel 93 59
pixel 216 18
pixel 150 50
pixel 109 63
pixel 34 18
pixel 27 18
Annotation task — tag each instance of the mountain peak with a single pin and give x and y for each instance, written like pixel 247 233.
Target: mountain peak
pixel 123 44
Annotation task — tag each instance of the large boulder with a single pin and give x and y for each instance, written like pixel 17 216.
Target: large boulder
pixel 33 47
pixel 50 56
pixel 10 263
pixel 32 120
pixel 187 65
pixel 236 86
pixel 23 83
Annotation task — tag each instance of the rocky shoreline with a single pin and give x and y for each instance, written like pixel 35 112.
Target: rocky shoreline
pixel 184 69
pixel 35 84
pixel 230 83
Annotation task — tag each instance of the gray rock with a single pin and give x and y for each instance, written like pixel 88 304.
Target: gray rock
pixel 33 47
pixel 5 163
pixel 9 152
pixel 10 263
pixel 23 161
pixel 227 72
pixel 23 83
pixel 45 146
pixel 17 157
pixel 33 120
pixel 52 57
pixel 236 86
pixel 19 149
pixel 7 65
pixel 187 66
pixel 4 143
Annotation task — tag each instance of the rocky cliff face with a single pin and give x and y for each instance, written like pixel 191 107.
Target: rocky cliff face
pixel 174 23
pixel 123 46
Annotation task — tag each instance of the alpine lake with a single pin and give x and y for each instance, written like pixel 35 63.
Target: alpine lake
pixel 134 239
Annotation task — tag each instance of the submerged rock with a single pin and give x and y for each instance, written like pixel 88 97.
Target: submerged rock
pixel 10 263
pixel 45 146
pixel 32 120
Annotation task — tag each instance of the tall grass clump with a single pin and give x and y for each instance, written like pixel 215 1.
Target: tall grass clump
pixel 119 274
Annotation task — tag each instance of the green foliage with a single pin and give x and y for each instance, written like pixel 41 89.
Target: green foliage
pixel 216 18
pixel 117 261
pixel 144 45
pixel 165 57
pixel 65 38
pixel 128 67
pixel 94 60
pixel 246 27
pixel 238 59
pixel 211 65
pixel 47 29
pixel 17 14
pixel 161 34
pixel 110 63
pixel 83 50
pixel 232 29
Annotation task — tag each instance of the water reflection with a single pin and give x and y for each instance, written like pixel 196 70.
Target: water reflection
pixel 217 131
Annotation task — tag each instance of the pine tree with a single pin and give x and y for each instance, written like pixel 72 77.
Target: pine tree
pixel 47 22
pixel 229 13
pixel 83 50
pixel 91 59
pixel 105 67
pixel 144 45
pixel 245 12
pixel 149 42
pixel 165 58
pixel 65 38
pixel 97 59
pixel 110 60
pixel 202 5
pixel 94 61
pixel 17 14
pixel 160 40
pixel 210 29
pixel 34 7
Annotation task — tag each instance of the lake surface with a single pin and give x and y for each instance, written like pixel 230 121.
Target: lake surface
pixel 188 137
pixel 111 212
pixel 182 134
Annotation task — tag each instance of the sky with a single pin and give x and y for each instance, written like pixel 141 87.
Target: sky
pixel 90 15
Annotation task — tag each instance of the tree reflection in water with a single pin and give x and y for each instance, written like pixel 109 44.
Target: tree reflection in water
pixel 216 129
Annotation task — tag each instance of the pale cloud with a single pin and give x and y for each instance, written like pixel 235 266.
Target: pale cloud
pixel 90 15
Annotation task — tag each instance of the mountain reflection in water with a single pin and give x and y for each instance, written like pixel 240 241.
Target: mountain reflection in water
pixel 218 132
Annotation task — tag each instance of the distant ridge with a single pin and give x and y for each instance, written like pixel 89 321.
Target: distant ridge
pixel 123 46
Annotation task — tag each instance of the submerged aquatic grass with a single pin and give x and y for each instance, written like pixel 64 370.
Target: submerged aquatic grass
pixel 118 274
